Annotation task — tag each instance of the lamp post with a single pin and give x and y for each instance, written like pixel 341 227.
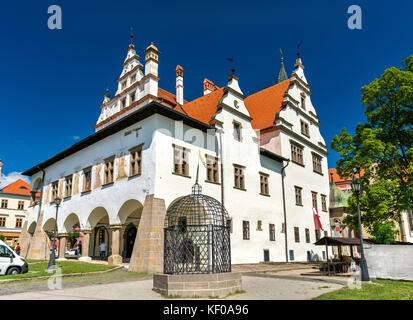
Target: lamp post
pixel 356 185
pixel 52 259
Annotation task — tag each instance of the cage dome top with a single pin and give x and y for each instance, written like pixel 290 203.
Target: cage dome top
pixel 196 209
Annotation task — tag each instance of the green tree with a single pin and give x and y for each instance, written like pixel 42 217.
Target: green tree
pixel 382 147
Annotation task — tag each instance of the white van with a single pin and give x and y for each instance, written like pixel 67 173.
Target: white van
pixel 10 262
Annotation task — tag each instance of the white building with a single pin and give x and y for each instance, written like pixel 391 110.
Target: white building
pixel 118 182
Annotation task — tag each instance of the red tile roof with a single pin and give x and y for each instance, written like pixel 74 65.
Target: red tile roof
pixel 18 187
pixel 169 99
pixel 205 107
pixel 264 104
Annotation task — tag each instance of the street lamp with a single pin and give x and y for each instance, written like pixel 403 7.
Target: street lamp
pixel 356 186
pixel 52 264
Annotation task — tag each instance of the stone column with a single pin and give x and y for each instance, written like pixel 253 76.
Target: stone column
pixel 39 247
pixel 147 254
pixel 115 258
pixel 85 245
pixel 24 239
pixel 62 244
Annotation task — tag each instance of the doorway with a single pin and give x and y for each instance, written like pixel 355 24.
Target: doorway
pixel 130 241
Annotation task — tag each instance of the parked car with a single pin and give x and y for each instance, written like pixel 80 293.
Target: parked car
pixel 10 262
pixel 72 253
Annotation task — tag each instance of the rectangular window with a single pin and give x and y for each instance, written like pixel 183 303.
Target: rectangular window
pixel 68 186
pixel 264 184
pixel 272 232
pixel 181 161
pixel 87 179
pixel 55 189
pixel 259 225
pixel 317 234
pixel 317 163
pixel 123 86
pixel 135 165
pixel 4 203
pixel 212 169
pixel 323 202
pixel 246 230
pixel 298 196
pixel 297 234
pixel 237 130
pixel 123 103
pixel 297 153
pixel 291 255
pixel 133 78
pixel 239 180
pixel 303 101
pixel 19 222
pixel 314 199
pixel 307 235
pixel 20 205
pixel 2 222
pixel 109 169
pixel 305 130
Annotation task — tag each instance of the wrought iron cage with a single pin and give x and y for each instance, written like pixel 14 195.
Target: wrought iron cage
pixel 197 236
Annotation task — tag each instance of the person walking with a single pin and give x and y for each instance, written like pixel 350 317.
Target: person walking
pixel 102 250
pixel 18 248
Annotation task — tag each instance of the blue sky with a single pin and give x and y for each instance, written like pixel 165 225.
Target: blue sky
pixel 52 81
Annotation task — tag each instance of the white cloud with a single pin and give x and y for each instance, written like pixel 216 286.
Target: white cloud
pixel 11 177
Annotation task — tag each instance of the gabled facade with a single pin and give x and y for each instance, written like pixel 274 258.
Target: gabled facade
pixel 118 183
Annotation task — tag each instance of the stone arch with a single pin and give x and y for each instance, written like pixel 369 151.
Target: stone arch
pixel 98 222
pixel 71 221
pixel 129 217
pixel 37 184
pixel 32 228
pixel 129 211
pixel 49 225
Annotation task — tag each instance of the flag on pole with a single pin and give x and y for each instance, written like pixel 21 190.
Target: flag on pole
pixel 317 219
pixel 202 158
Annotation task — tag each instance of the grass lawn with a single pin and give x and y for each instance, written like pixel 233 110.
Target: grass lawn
pixel 67 267
pixel 379 290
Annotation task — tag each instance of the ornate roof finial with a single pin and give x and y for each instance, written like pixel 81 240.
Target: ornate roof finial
pixel 131 35
pixel 282 75
pixel 231 59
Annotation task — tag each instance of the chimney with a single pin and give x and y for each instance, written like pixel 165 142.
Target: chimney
pixel 179 84
pixel 209 86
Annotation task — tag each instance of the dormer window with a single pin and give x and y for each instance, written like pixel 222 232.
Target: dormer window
pixel 303 101
pixel 237 130
pixel 123 103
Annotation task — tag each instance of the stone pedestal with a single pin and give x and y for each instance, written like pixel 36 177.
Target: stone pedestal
pixel 147 254
pixel 197 285
pixel 85 245
pixel 39 245
pixel 115 258
pixel 24 240
pixel 62 244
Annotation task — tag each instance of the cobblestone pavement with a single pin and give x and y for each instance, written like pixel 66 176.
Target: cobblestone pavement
pixel 121 275
pixel 257 288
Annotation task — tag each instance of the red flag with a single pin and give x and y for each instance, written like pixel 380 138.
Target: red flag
pixel 317 221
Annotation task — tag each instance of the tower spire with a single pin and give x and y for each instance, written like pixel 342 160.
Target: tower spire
pixel 282 75
pixel 131 35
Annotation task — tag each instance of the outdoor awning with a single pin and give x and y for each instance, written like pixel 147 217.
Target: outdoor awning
pixel 339 241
